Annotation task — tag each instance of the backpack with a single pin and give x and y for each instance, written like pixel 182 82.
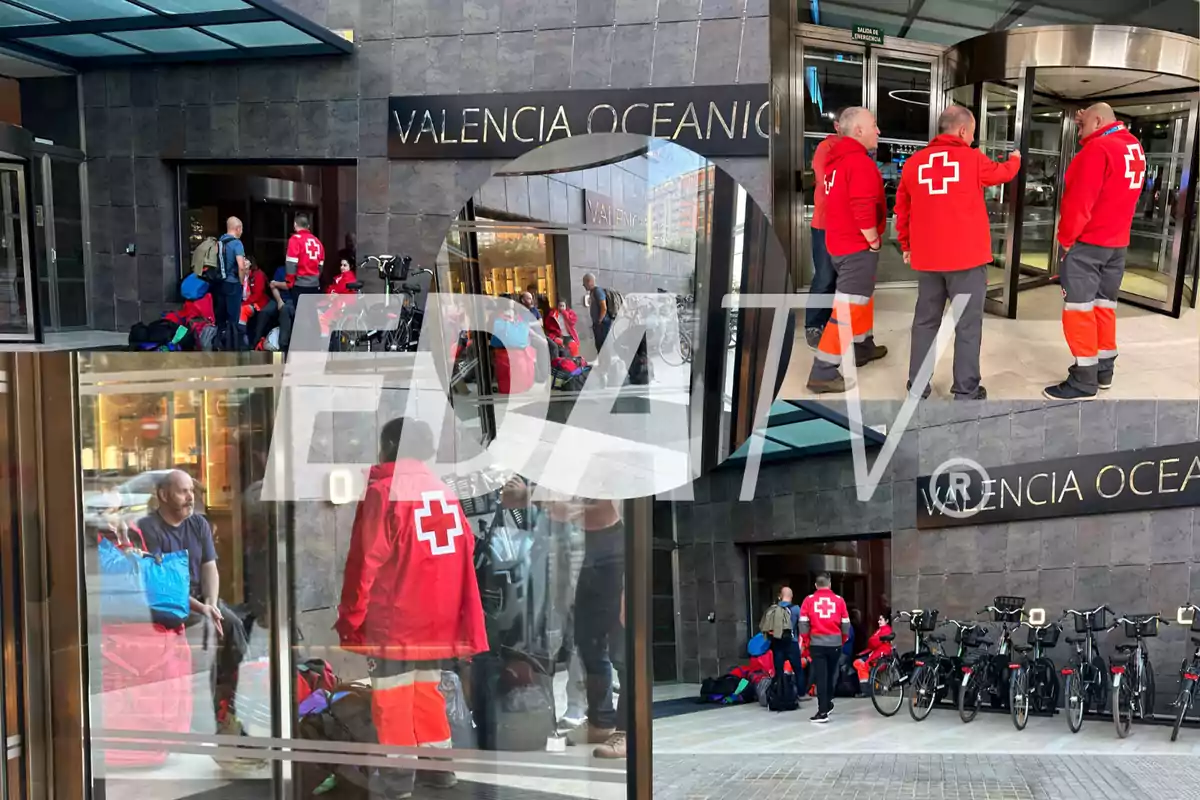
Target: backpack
pixel 340 715
pixel 776 618
pixel 615 301
pixel 782 693
pixel 193 287
pixel 206 259
pixel 162 335
pixel 313 675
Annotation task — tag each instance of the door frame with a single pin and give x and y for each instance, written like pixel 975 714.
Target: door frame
pixel 43 156
pixel 24 172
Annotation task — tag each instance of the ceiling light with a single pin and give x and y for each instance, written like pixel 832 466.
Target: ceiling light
pixel 919 93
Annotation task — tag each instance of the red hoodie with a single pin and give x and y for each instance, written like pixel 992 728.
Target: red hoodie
pixel 854 198
pixel 820 157
pixel 409 592
pixel 1101 189
pixel 941 219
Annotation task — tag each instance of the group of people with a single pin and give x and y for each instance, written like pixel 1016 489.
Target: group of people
pixel 944 233
pixel 816 640
pixel 247 304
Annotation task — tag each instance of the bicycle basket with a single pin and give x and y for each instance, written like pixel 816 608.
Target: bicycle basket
pixel 1046 635
pixel 1010 608
pixel 1195 621
pixel 1099 622
pixel 1144 626
pixel 924 621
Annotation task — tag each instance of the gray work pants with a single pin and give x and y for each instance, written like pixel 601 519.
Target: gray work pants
pixel 934 290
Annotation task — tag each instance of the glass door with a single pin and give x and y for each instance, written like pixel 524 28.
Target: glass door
pixel 58 238
pixel 18 317
pixel 997 134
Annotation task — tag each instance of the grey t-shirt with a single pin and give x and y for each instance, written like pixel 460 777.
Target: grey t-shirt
pixel 194 535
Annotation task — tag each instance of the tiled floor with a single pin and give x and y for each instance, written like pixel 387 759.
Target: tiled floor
pixel 1160 356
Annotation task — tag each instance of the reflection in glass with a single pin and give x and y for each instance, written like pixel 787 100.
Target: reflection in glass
pixel 1041 162
pixel 832 81
pixel 903 99
pixel 16 315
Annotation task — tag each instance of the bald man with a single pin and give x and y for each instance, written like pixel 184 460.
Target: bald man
pixel 855 218
pixel 227 292
pixel 944 232
pixel 1100 195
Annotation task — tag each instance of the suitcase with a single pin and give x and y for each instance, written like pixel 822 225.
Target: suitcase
pixel 147 686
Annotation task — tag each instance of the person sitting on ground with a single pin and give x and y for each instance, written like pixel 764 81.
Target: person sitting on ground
pixel 254 297
pixel 345 277
pixel 560 327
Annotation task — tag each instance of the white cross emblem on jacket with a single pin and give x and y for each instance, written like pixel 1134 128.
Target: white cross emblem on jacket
pixel 825 608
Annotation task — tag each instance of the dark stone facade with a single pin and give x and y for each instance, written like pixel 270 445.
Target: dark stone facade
pixel 137 121
pixel 1136 562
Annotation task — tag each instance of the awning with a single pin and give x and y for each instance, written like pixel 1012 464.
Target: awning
pixel 801 428
pixel 89 34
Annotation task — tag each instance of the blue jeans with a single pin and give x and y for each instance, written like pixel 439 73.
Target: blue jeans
pixel 599 637
pixel 227 308
pixel 823 283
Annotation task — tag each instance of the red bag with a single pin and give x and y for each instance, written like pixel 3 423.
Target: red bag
pixel 515 375
pixel 147 686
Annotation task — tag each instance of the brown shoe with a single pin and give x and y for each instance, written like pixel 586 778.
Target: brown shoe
pixel 587 734
pixel 832 386
pixel 614 747
pixel 862 360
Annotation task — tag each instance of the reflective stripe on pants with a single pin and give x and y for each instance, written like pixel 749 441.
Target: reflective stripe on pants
pixel 406 704
pixel 1091 280
pixel 856 295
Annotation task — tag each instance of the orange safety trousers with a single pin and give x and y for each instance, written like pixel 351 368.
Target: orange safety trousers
pixel 850 327
pixel 407 705
pixel 1091 280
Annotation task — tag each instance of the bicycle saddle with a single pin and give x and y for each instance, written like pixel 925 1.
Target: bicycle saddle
pixel 1076 639
pixel 984 643
pixel 1126 648
pixel 888 638
pixel 1022 648
pixel 937 637
pixel 355 287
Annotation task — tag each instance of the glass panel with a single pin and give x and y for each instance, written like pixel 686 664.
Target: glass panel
pixel 1042 161
pixel 195 6
pixel 261 34
pixel 12 15
pixel 68 219
pixel 72 303
pixel 832 80
pixel 177 468
pixel 903 99
pixel 890 156
pixel 996 132
pixel 74 10
pixel 1149 270
pixel 172 40
pixel 11 649
pixel 15 314
pixel 82 45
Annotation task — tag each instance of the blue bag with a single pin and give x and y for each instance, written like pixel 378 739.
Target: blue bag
pixel 150 588
pixel 758 645
pixel 193 287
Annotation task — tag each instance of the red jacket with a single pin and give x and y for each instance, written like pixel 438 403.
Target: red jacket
pixel 854 198
pixel 820 158
pixel 409 592
pixel 254 291
pixel 305 257
pixel 876 648
pixel 1101 189
pixel 941 219
pixel 340 282
pixel 558 322
pixel 824 619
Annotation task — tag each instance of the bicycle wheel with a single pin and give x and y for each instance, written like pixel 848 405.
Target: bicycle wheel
pixel 1019 698
pixel 887 687
pixel 970 695
pixel 1073 700
pixel 1147 698
pixel 1185 700
pixel 924 692
pixel 671 350
pixel 685 347
pixel 1122 706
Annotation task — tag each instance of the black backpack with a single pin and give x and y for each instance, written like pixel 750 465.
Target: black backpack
pixel 347 718
pixel 782 694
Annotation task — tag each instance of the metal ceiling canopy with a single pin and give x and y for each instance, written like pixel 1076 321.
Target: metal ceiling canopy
pixel 800 429
pixel 90 34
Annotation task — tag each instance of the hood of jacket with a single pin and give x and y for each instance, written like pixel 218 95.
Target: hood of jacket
pixel 844 149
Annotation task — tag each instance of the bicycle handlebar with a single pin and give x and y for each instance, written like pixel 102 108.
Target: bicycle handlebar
pixel 1144 618
pixel 1093 612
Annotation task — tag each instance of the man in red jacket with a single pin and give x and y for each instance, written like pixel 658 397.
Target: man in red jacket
pixel 944 233
pixel 409 598
pixel 824 278
pixel 1100 194
pixel 855 218
pixel 825 622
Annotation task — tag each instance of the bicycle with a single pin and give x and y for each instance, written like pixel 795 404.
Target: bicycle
pixel 988 673
pixel 893 671
pixel 1034 682
pixel 1084 684
pixel 682 341
pixel 1189 672
pixel 1133 675
pixel 404 334
pixel 931 678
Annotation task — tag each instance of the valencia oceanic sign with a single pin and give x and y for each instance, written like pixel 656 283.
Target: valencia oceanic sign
pixel 1135 480
pixel 709 120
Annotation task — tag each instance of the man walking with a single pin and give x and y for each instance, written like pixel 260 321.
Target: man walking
pixel 1100 194
pixel 855 217
pixel 825 620
pixel 945 235
pixel 824 278
pixel 227 292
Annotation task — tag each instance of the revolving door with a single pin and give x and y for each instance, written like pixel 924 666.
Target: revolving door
pixel 1024 86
